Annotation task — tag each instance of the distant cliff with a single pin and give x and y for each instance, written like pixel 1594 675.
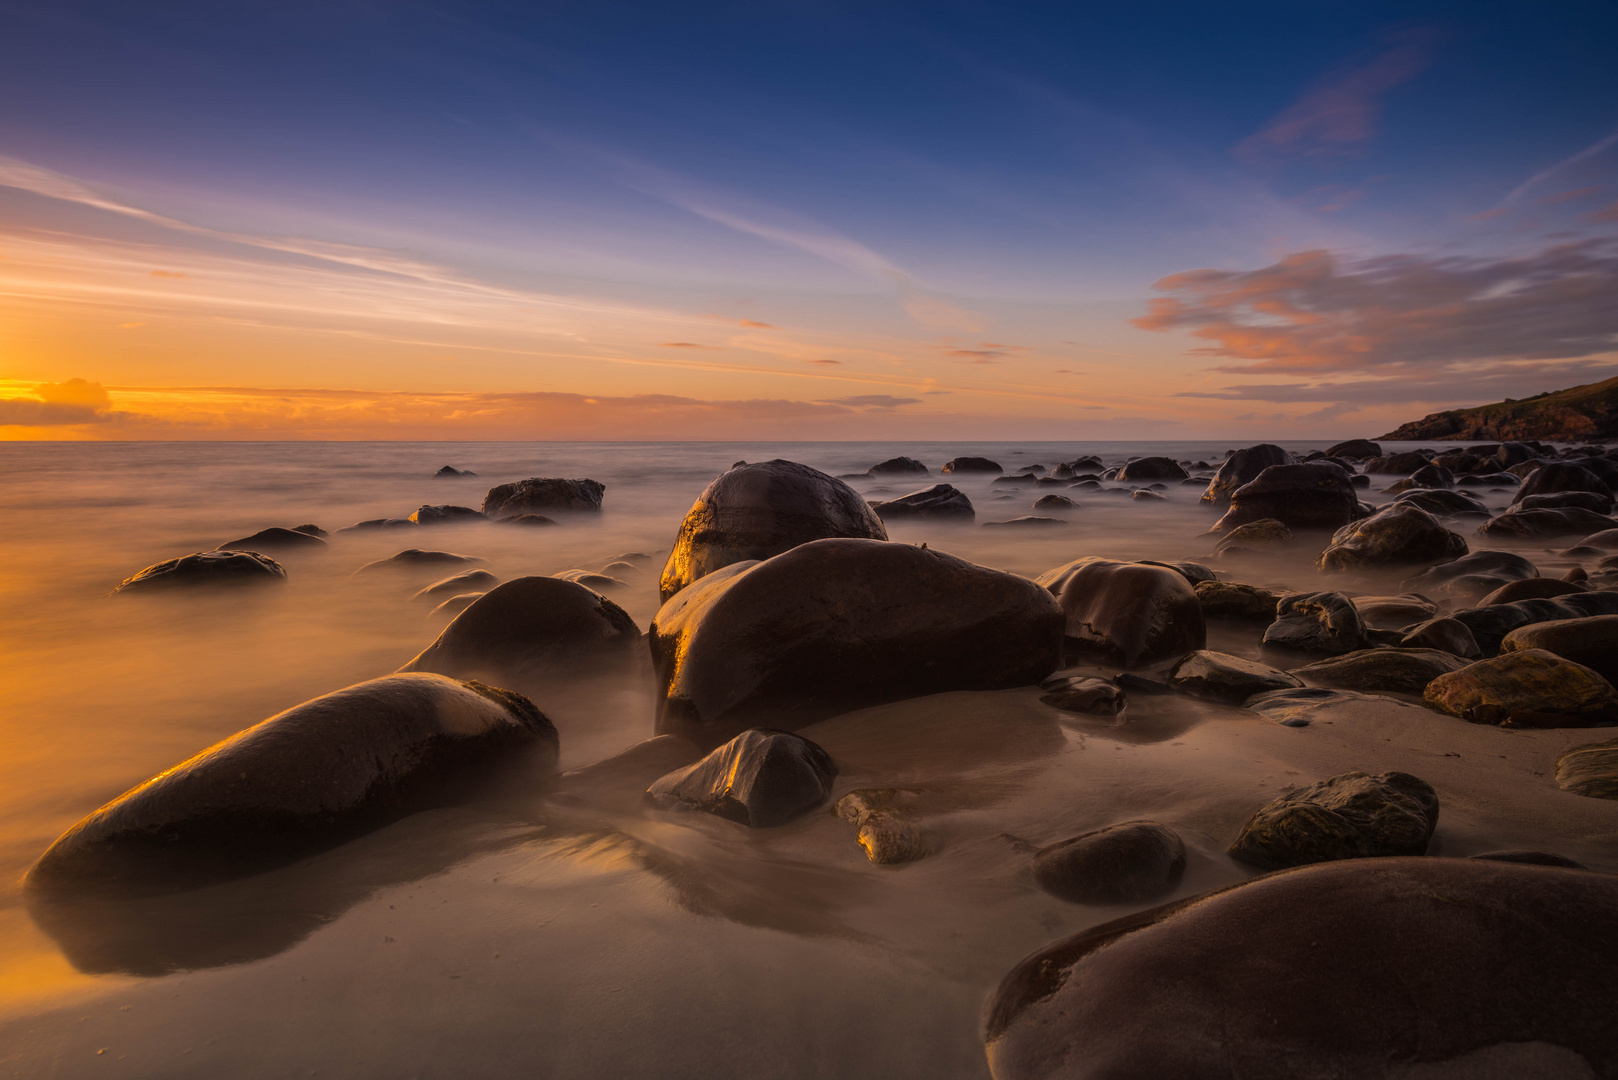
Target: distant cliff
pixel 1579 413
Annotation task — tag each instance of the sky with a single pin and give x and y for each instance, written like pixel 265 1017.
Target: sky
pixel 360 219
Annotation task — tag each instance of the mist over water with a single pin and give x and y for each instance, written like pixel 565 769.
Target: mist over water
pixel 644 934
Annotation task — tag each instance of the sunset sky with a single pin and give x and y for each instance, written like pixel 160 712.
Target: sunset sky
pixel 804 220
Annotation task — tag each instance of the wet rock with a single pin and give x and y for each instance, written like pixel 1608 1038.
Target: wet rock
pixel 972 465
pixel 413 558
pixel 1035 470
pixel 527 519
pixel 1443 503
pixel 841 624
pixel 450 470
pixel 206 569
pixel 530 624
pixel 1351 816
pixel 1406 671
pixel 941 502
pixel 1394 612
pixel 312 530
pixel 861 803
pixel 464 582
pixel 1428 477
pixel 1530 858
pixel 542 493
pixel 1356 449
pixel 1490 625
pixel 374 524
pixel 899 466
pixel 1590 770
pixel 453 606
pixel 1606 539
pixel 1499 969
pixel 1397 535
pixel 1529 589
pixel 760 778
pixel 1489 480
pixel 1299 707
pixel 1525 688
pixel 1557 476
pixel 760 510
pixel 1015 480
pixel 1471 576
pixel 1152 468
pixel 1315 496
pixel 1402 464
pixel 1082 694
pixel 1195 573
pixel 301 781
pixel 1055 502
pixel 1028 521
pixel 889 838
pixel 1561 500
pixel 1264 532
pixel 1324 622
pixel 1120 864
pixel 1534 524
pixel 1129 614
pixel 1217 676
pixel 590 579
pixel 275 540
pixel 1230 600
pixel 1148 495
pixel 1591 641
pixel 445 515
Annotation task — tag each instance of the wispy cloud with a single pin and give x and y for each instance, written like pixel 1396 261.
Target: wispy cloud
pixel 1595 149
pixel 75 401
pixel 872 401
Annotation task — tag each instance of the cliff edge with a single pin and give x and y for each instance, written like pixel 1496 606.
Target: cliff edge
pixel 1580 413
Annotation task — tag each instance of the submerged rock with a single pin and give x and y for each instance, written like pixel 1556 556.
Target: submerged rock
pixel 1532 524
pixel 1471 576
pixel 1027 521
pixel 414 558
pixel 899 466
pixel 971 465
pixel 1406 671
pixel 1241 468
pixel 1217 676
pixel 464 582
pixel 301 781
pixel 1396 535
pixel 1324 622
pixel 1356 449
pixel 760 778
pixel 542 493
pixel 1120 864
pixel 1350 816
pixel 1265 532
pixel 453 606
pixel 275 540
pixel 1055 502
pixel 1394 612
pixel 1490 625
pixel 1130 614
pixel 206 569
pixel 528 624
pixel 1152 468
pixel 1501 970
pixel 760 510
pixel 889 838
pixel 1559 476
pixel 1083 694
pixel 1530 589
pixel 445 514
pixel 1527 688
pixel 1314 496
pixel 527 519
pixel 1300 706
pixel 841 624
pixel 1230 600
pixel 450 471
pixel 1530 858
pixel 941 501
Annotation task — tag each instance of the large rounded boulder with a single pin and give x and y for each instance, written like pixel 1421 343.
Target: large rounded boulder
pixel 1152 468
pixel 1396 535
pixel 841 624
pixel 541 494
pixel 1525 688
pixel 1241 468
pixel 1311 496
pixel 1127 613
pixel 299 782
pixel 206 569
pixel 941 502
pixel 760 510
pixel 760 778
pixel 1591 641
pixel 1560 476
pixel 526 625
pixel 1371 968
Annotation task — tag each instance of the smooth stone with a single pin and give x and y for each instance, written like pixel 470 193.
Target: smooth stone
pixel 312 530
pixel 1590 770
pixel 1406 671
pixel 1015 480
pixel 1530 858
pixel 1230 600
pixel 861 803
pixel 1606 539
pixel 1217 676
pixel 1470 576
pixel 1401 464
pixel 1396 535
pixel 1584 500
pixel 1130 614
pixel 1591 641
pixel 1300 707
pixel 1490 625
pixel 1442 503
pixel 445 514
pixel 1082 694
pixel 374 524
pixel 1120 864
pixel 1325 622
pixel 1529 589
pixel 411 558
pixel 760 778
pixel 275 539
pixel 899 466
pixel 1027 521
pixel 452 607
pixel 1242 467
pixel 590 579
pixel 527 519
pixel 1357 449
pixel 542 493
pixel 971 465
pixel 464 582
pixel 1353 815
pixel 1526 688
pixel 1313 496
pixel 1152 468
pixel 1536 524
pixel 1553 477
pixel 1260 533
pixel 1054 502
pixel 1432 477
pixel 206 569
pixel 1394 612
pixel 1193 572
pixel 618 568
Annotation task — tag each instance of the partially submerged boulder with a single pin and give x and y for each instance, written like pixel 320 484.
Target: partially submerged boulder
pixel 299 782
pixel 760 510
pixel 1471 576
pixel 1313 496
pixel 1323 622
pixel 445 514
pixel 1490 625
pixel 415 559
pixel 542 494
pixel 206 569
pixel 972 465
pixel 1394 612
pixel 1591 641
pixel 1350 816
pixel 1232 600
pixel 456 584
pixel 760 778
pixel 942 502
pixel 1526 688
pixel 1083 694
pixel 841 624
pixel 1217 676
pixel 899 466
pixel 275 539
pixel 1120 864
pixel 1396 535
pixel 1129 614
pixel 1530 589
pixel 1558 476
pixel 1241 468
pixel 1152 468
pixel 1406 671
pixel 1521 524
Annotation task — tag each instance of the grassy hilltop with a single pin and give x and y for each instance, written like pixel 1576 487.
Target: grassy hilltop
pixel 1578 413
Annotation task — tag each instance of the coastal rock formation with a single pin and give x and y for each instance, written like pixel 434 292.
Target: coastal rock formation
pixel 1129 614
pixel 941 501
pixel 1396 535
pixel 527 624
pixel 1231 600
pixel 1152 468
pixel 899 466
pixel 1350 816
pixel 759 510
pixel 275 539
pixel 1591 641
pixel 301 781
pixel 1217 676
pixel 1589 411
pixel 1525 688
pixel 1313 496
pixel 841 624
pixel 1242 982
pixel 972 465
pixel 1083 694
pixel 1242 467
pixel 206 569
pixel 542 493
pixel 1324 622
pixel 451 471
pixel 1402 670
pixel 1394 612
pixel 444 514
pixel 1120 864
pixel 760 778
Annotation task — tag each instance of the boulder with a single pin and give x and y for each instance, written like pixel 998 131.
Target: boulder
pixel 590 579
pixel 941 501
pixel 1606 540
pixel 899 466
pixel 1442 503
pixel 275 540
pixel 312 530
pixel 1537 588
pixel 1394 612
pixel 1397 535
pixel 1556 476
pixel 1350 816
pixel 445 514
pixel 1397 464
pixel 1152 468
pixel 841 624
pixel 1015 480
pixel 760 510
pixel 1265 532
pixel 464 582
pixel 891 838
pixel 453 606
pixel 527 519
pixel 451 471
pixel 1561 500
pixel 1028 521
pixel 1406 671
pixel 1055 502
pixel 1300 706
pixel 206 569
pixel 1148 495
pixel 1471 576
pixel 1324 622
pixel 1083 694
pixel 416 558
pixel 1525 688
pixel 539 493
pixel 376 524
pixel 1035 470
pixel 530 624
pixel 1230 600
pixel 1356 449
pixel 1217 676
pixel 1413 968
pixel 1429 477
pixel 761 778
pixel 1590 770
pixel 1591 641
pixel 1128 614
pixel 1194 572
pixel 301 781
pixel 1490 625
pixel 1314 496
pixel 1120 864
pixel 1522 524
pixel 972 465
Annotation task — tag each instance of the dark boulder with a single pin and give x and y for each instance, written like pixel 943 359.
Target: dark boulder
pixel 1394 612
pixel 1428 477
pixel 1129 614
pixel 1324 622
pixel 1350 816
pixel 1356 449
pixel 1241 468
pixel 453 606
pixel 1536 588
pixel 456 584
pixel 445 514
pixel 1490 625
pixel 1591 641
pixel 1120 864
pixel 1557 476
pixel 527 519
pixel 206 569
pixel 899 466
pixel 1152 468
pixel 529 624
pixel 1217 676
pixel 1397 464
pixel 760 778
pixel 1083 694
pixel 1397 535
pixel 1265 532
pixel 451 471
pixel 1406 671
pixel 1054 502
pixel 841 624
pixel 1315 496
pixel 760 510
pixel 415 558
pixel 275 540
pixel 1471 576
pixel 1526 688
pixel 940 502
pixel 1443 503
pixel 1380 968
pixel 301 781
pixel 1521 524
pixel 1590 770
pixel 1230 600
pixel 1015 480
pixel 971 465
pixel 1445 635
pixel 312 530
pixel 539 493
pixel 375 524
pixel 1194 572
pixel 1562 500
